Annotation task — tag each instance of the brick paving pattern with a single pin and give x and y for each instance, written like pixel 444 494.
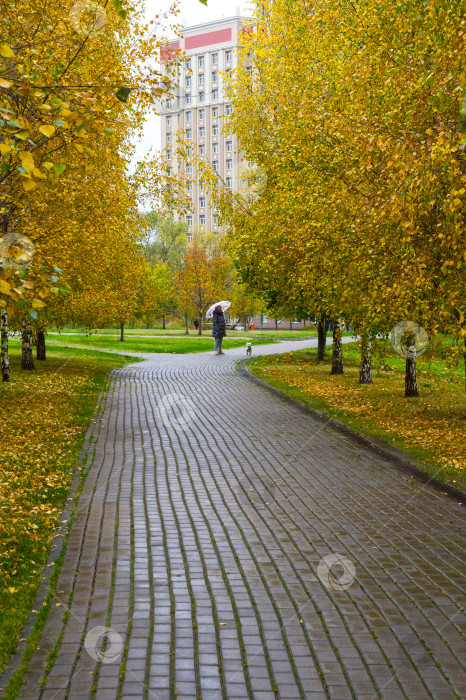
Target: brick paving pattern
pixel 237 548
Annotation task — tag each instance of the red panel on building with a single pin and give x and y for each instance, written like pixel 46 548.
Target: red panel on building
pixel 218 37
pixel 168 52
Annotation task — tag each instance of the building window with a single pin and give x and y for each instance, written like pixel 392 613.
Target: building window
pixel 215 219
pixel 188 81
pixel 202 114
pixel 249 70
pixel 229 146
pixel 188 99
pixel 201 79
pixel 202 219
pixel 188 64
pixel 169 171
pixel 202 202
pixel 228 110
pixel 169 154
pixel 214 76
pixel 215 58
pixel 215 94
pixel 215 130
pixel 215 165
pixel 228 72
pixel 169 103
pixel 229 165
pixel 189 116
pixel 202 150
pixel 202 132
pixel 189 133
pixel 169 121
pixel 201 97
pixel 215 112
pixel 215 148
pixel 189 169
pixel 202 185
pixel 189 220
pixel 190 186
pixel 201 61
pixel 229 182
pixel 189 152
pixel 228 55
pixel 169 136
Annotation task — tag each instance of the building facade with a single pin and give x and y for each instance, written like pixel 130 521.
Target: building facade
pixel 200 110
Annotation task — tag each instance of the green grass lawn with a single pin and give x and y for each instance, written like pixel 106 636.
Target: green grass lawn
pixel 429 427
pixel 44 416
pixel 310 331
pixel 169 344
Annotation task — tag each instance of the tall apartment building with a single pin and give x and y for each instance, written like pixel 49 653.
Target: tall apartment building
pixel 200 108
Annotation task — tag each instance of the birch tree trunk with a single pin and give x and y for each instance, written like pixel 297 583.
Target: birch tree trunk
pixel 365 374
pixel 40 350
pixel 163 322
pixel 321 338
pixel 122 332
pixel 5 360
pixel 27 361
pixel 410 377
pixel 337 349
pixel 411 388
pixel 186 323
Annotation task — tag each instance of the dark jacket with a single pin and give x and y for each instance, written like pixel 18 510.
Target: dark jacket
pixel 218 326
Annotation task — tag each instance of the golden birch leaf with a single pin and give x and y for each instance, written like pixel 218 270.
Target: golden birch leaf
pixel 4 287
pixel 29 185
pixel 6 51
pixel 47 130
pixel 27 160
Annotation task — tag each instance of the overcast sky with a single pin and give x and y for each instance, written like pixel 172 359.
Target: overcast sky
pixel 191 12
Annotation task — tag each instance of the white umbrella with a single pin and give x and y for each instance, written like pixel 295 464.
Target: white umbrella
pixel 224 304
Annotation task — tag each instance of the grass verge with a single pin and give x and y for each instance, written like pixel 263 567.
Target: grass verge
pixel 180 333
pixel 429 427
pixel 178 345
pixel 44 414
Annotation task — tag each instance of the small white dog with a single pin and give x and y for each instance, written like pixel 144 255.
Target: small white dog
pixel 248 348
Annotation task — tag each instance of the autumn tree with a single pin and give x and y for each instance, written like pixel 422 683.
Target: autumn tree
pixel 202 281
pixel 358 138
pixel 75 81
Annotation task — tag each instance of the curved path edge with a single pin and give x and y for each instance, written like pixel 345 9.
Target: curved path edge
pixel 399 459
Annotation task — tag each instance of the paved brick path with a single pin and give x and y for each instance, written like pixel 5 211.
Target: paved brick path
pixel 239 549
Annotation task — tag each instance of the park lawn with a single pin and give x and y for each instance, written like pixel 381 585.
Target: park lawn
pixel 179 345
pixel 430 427
pixel 44 416
pixel 310 331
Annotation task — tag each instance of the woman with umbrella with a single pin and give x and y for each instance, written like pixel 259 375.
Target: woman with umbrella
pixel 218 323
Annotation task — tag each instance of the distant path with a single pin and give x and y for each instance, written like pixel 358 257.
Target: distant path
pixel 239 549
